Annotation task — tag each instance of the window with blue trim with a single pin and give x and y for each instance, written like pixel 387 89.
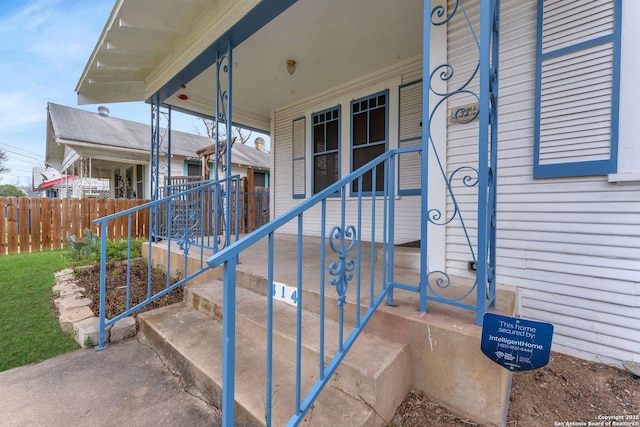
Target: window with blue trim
pixel 194 168
pixel 369 136
pixel 326 148
pixel 577 88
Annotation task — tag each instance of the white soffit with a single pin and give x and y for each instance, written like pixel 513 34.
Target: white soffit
pixel 332 41
pixel 146 42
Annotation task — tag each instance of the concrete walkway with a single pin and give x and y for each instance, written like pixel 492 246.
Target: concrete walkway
pixel 125 385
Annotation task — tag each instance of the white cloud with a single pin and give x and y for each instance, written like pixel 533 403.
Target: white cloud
pixel 29 18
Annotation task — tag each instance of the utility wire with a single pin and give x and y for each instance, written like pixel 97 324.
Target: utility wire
pixel 18 152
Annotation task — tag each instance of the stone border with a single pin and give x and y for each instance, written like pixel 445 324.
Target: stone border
pixel 76 316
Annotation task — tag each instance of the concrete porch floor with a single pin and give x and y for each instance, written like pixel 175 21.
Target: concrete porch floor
pixel 444 343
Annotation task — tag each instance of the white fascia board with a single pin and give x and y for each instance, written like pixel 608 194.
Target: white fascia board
pixel 110 22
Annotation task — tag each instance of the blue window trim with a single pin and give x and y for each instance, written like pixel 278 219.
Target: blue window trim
pixel 386 136
pixel 408 191
pixel 302 158
pixel 338 150
pixel 582 168
pixel 185 167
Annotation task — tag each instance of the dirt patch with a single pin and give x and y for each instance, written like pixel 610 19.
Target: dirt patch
pixel 116 287
pixel 567 392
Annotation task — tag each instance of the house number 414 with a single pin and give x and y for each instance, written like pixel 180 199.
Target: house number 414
pixel 284 293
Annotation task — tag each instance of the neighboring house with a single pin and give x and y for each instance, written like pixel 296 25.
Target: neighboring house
pixel 337 83
pixel 44 179
pixel 48 182
pixel 109 157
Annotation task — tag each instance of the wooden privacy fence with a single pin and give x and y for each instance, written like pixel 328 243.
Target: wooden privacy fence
pixel 41 224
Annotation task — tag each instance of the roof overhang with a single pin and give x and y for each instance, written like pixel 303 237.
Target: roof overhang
pixel 149 48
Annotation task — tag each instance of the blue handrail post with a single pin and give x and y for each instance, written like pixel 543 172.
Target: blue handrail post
pixel 391 198
pixel 229 341
pixel 103 286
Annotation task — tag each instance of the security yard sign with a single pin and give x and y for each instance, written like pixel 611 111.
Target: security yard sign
pixel 514 343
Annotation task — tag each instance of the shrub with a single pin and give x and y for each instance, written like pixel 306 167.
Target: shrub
pixel 87 250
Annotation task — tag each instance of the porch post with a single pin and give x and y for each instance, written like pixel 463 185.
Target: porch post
pixel 168 145
pixel 485 273
pixel 154 159
pixel 224 63
pixel 229 145
pixel 426 129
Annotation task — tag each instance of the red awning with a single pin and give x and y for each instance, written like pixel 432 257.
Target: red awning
pixel 53 182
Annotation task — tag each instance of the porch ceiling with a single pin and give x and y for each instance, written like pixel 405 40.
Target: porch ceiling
pixel 103 161
pixel 332 41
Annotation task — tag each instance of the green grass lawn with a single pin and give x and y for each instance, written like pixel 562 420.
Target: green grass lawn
pixel 29 328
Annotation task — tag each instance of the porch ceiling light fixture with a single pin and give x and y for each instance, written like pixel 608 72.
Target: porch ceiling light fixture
pixel 291 66
pixel 183 96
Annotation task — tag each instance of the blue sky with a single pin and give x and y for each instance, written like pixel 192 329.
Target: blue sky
pixel 44 46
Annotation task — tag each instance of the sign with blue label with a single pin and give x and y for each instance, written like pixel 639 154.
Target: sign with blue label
pixel 514 343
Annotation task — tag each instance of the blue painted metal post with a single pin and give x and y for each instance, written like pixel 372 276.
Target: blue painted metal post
pixel 484 210
pixel 229 341
pixel 390 164
pixel 269 373
pixel 426 131
pixel 168 147
pixel 229 144
pixel 154 161
pixel 103 286
pixel 216 119
pixel 155 147
pixel 493 184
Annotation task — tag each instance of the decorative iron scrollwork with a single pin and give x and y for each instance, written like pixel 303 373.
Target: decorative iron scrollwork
pixel 457 91
pixel 186 220
pixel 438 281
pixel 343 268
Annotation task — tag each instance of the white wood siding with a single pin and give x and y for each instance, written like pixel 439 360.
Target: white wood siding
pixel 407 207
pixel 570 246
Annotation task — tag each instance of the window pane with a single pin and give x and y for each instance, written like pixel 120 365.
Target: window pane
pixel 325 171
pixel 332 135
pixel 194 169
pixel 259 179
pixel 377 125
pixel 360 129
pixel 362 156
pixel 318 138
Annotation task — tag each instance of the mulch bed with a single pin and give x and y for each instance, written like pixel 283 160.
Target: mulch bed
pixel 116 287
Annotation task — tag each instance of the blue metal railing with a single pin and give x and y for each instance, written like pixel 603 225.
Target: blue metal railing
pixel 343 237
pixel 199 215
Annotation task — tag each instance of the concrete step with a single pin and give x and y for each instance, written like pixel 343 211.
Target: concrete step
pixel 403 257
pixel 192 342
pixel 444 343
pixel 374 370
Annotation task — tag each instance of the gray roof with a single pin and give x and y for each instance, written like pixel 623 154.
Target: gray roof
pixel 73 124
